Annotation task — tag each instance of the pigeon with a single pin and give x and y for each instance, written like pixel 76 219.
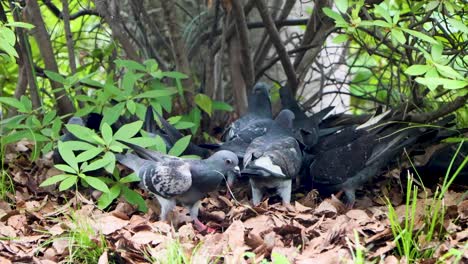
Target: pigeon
pixel 272 160
pixel 259 107
pixel 173 179
pixel 349 159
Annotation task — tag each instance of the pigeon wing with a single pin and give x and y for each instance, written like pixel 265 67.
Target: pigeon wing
pixel 167 179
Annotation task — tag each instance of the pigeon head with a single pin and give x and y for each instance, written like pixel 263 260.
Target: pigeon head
pixel 76 121
pixel 261 89
pixel 285 118
pixel 225 160
pixel 259 100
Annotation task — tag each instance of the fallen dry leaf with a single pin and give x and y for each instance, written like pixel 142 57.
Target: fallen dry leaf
pixel 109 224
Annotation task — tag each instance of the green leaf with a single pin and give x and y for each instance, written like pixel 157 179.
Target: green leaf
pixel 89 154
pixel 84 133
pixel 436 52
pixel 97 184
pixel 134 198
pixel 48 117
pixel 111 165
pixel 184 125
pixel 342 5
pixel 8 36
pixel 398 35
pixel 417 69
pixel 339 20
pixel 129 80
pixel 79 145
pixel 175 75
pixel 55 77
pixel 420 35
pixel 9 49
pixel 131 106
pixel 205 103
pixel 449 84
pixel 432 5
pixel 130 178
pixel 381 23
pixel 91 82
pixel 67 154
pixel 141 141
pixel 218 105
pixel 106 132
pixel 100 163
pixel 448 71
pixel 129 130
pixel 156 94
pixel 160 145
pixel 455 84
pixel 180 146
pixel 65 168
pixel 20 25
pixel 459 25
pixel 340 39
pixel 131 65
pixel 106 198
pixel 54 180
pixel 68 183
pixel 383 12
pixel 111 114
pixel 13 102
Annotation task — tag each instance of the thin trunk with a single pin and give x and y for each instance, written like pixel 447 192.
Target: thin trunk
pixel 40 34
pixel 237 81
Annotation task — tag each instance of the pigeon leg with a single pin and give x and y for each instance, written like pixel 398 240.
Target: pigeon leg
pixel 194 209
pixel 166 207
pixel 257 194
pixel 284 191
pixel 350 198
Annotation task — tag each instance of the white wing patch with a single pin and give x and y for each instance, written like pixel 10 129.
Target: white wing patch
pixel 267 164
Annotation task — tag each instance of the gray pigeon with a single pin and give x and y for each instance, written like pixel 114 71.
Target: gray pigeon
pixel 272 160
pixel 174 179
pixel 259 108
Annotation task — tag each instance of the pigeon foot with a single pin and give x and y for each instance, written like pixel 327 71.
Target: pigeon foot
pixel 202 228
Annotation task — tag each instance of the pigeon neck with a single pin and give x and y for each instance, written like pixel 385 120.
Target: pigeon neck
pixel 260 105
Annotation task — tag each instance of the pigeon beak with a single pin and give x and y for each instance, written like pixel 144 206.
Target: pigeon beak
pixel 237 170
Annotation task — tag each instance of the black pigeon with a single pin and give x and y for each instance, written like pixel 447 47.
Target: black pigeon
pixel 259 107
pixel 352 157
pixel 272 160
pixel 174 179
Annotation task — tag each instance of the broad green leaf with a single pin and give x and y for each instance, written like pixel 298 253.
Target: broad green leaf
pixel 67 154
pixel 97 184
pixel 436 52
pixel 68 183
pixel 151 65
pixel 174 119
pixel 97 164
pixel 342 5
pixel 91 82
pixel 339 20
pixel 447 83
pixel 381 23
pixel 180 146
pixel 398 35
pixel 175 75
pixel 8 36
pixel 111 114
pixel 459 25
pixel 111 165
pixel 432 5
pixel 84 133
pixel 448 71
pixel 13 102
pixel 131 107
pixel 106 198
pixel 89 154
pixel 130 178
pixel 134 198
pixel 160 144
pixel 9 49
pixel 48 117
pixel 455 84
pixel 54 180
pixel 417 69
pixel 205 103
pixel 55 77
pixel 141 141
pixel 340 39
pixel 129 80
pixel 20 25
pixel 383 12
pixel 420 35
pixel 156 94
pixel 184 125
pixel 106 132
pixel 65 168
pixel 131 65
pixel 116 148
pixel 127 131
pixel 79 145
pixel 218 105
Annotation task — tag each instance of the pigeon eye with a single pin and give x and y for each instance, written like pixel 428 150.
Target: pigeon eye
pixel 228 161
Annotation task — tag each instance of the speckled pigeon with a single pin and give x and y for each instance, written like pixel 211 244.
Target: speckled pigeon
pixel 259 107
pixel 174 179
pixel 349 159
pixel 272 160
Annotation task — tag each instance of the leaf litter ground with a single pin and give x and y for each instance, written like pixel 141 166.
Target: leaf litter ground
pixel 41 226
